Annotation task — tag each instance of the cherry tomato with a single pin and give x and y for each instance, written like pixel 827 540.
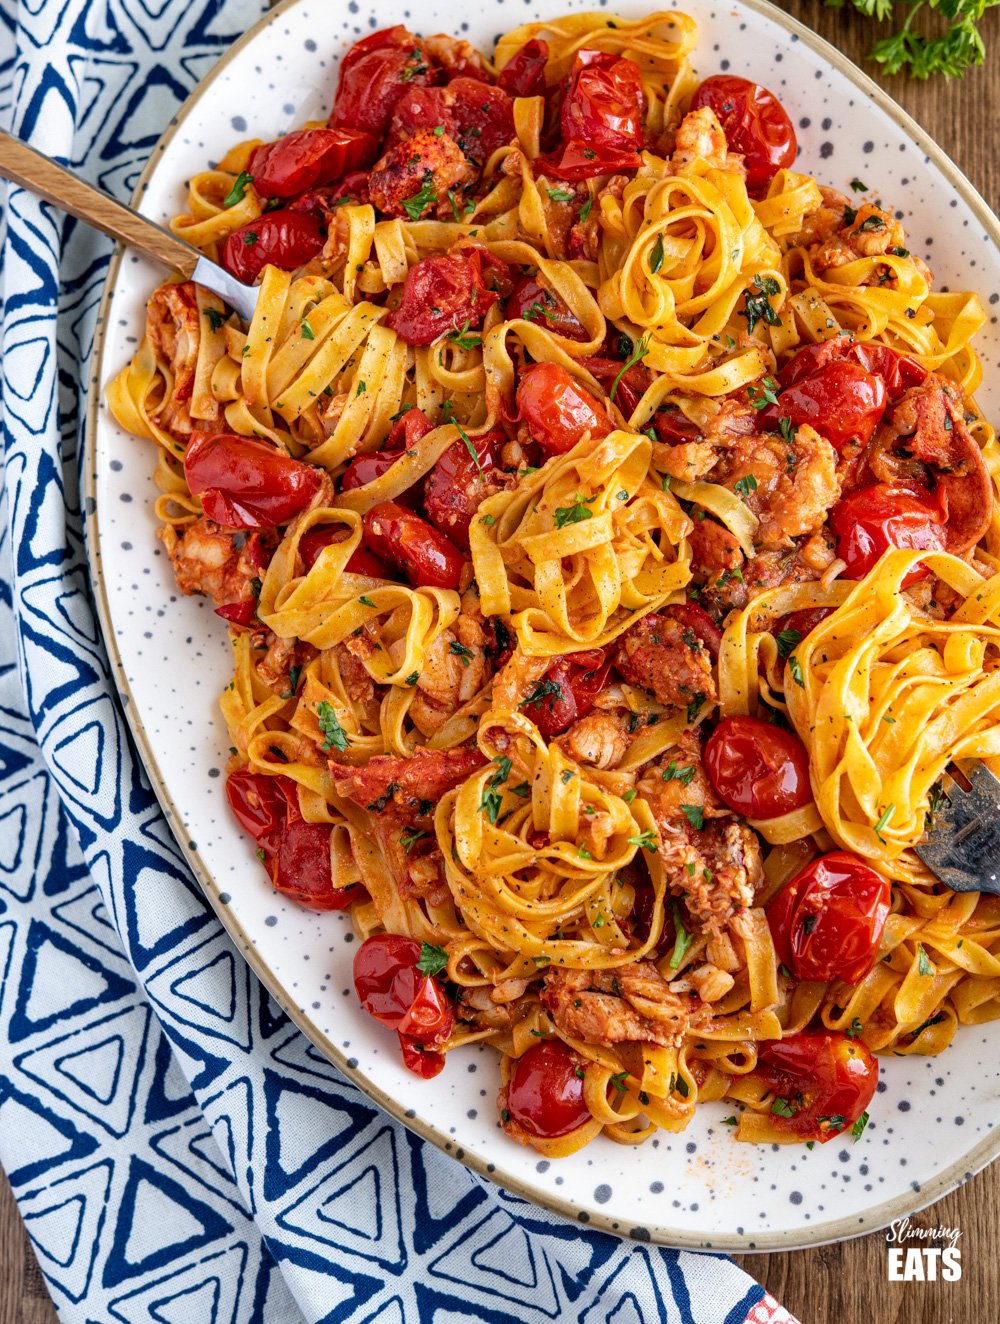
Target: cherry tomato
pixel 450 293
pixel 535 302
pixel 360 562
pixel 296 854
pixel 422 1061
pixel 457 484
pixel 391 988
pixel 826 1081
pixel 407 430
pixel 601 118
pixel 524 73
pixel 673 427
pixel 568 691
pixel 364 469
pixel 897 372
pixel 631 382
pixel 756 768
pixel 478 117
pixel 285 239
pixel 873 519
pixel 244 483
pixel 696 618
pixel 426 556
pixel 308 158
pixel 755 124
pixel 374 74
pixel 827 920
pixel 545 1095
pixel 840 400
pixel 557 409
pixel 803 621
pixel 243 614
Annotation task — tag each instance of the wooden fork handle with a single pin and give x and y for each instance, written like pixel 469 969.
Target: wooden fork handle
pixel 42 176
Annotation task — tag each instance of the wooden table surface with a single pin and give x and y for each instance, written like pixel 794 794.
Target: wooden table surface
pixel 846 1283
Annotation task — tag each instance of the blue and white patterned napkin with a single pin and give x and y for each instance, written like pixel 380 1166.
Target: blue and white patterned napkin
pixel 171 1139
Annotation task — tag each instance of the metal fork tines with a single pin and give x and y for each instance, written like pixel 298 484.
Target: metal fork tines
pixel 963 848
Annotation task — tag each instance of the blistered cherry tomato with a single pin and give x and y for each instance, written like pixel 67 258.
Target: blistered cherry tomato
pixel 524 73
pixel 827 920
pixel 360 562
pixel 408 428
pixel 243 614
pixel 425 555
pixel 840 400
pixel 296 854
pixel 244 483
pixel 756 768
pixel 628 384
pixel 545 1095
pixel 364 469
pixel 391 988
pixel 308 158
pixel 802 622
pixel 374 74
pixel 450 293
pixel 285 239
pixel 535 302
pixel 873 519
pixel 478 117
pixel 674 427
pixel 557 409
pixel 421 1060
pixel 567 691
pixel 601 118
pixel 755 125
pixel 826 1081
pixel 456 486
pixel 897 371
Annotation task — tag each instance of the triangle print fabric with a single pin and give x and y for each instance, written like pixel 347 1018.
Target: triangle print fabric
pixel 166 1171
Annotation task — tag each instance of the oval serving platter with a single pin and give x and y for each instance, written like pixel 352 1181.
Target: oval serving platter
pixel 933 1119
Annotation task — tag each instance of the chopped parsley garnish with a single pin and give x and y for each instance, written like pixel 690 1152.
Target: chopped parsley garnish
pixel 766 395
pixel 307 332
pixel 544 689
pixel 695 815
pixel 573 514
pixel 413 677
pixel 403 409
pixel 250 238
pixel 239 188
pixel 695 707
pixel 645 841
pixel 871 224
pixel 438 130
pixel 432 959
pixel 427 197
pixel 465 339
pixel 859 1126
pixel 561 194
pixel 858 186
pixel 410 837
pixel 673 773
pixel 293 682
pixel 795 667
pixel 329 725
pixel 855 1028
pixel 637 355
pixel 730 1121
pixel 618 1081
pixel 746 485
pixel 584 211
pixel 896 251
pixel 460 650
pixel 629 795
pixel 788 429
pixel 784 1108
pixel 757 307
pixel 378 805
pixel 786 641
pixel 215 318
pixel 362 387
pixel 466 441
pixel 656 256
pixel 884 818
pixel 682 940
pixel 923 963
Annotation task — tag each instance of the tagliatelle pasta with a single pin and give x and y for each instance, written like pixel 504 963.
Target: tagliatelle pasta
pixel 607 535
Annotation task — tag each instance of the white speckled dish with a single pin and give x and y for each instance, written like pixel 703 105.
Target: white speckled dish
pixel 933 1119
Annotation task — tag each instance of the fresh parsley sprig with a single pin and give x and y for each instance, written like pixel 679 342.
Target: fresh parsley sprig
pixel 957 46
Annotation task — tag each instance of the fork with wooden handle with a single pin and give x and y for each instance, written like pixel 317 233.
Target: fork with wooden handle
pixel 42 176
